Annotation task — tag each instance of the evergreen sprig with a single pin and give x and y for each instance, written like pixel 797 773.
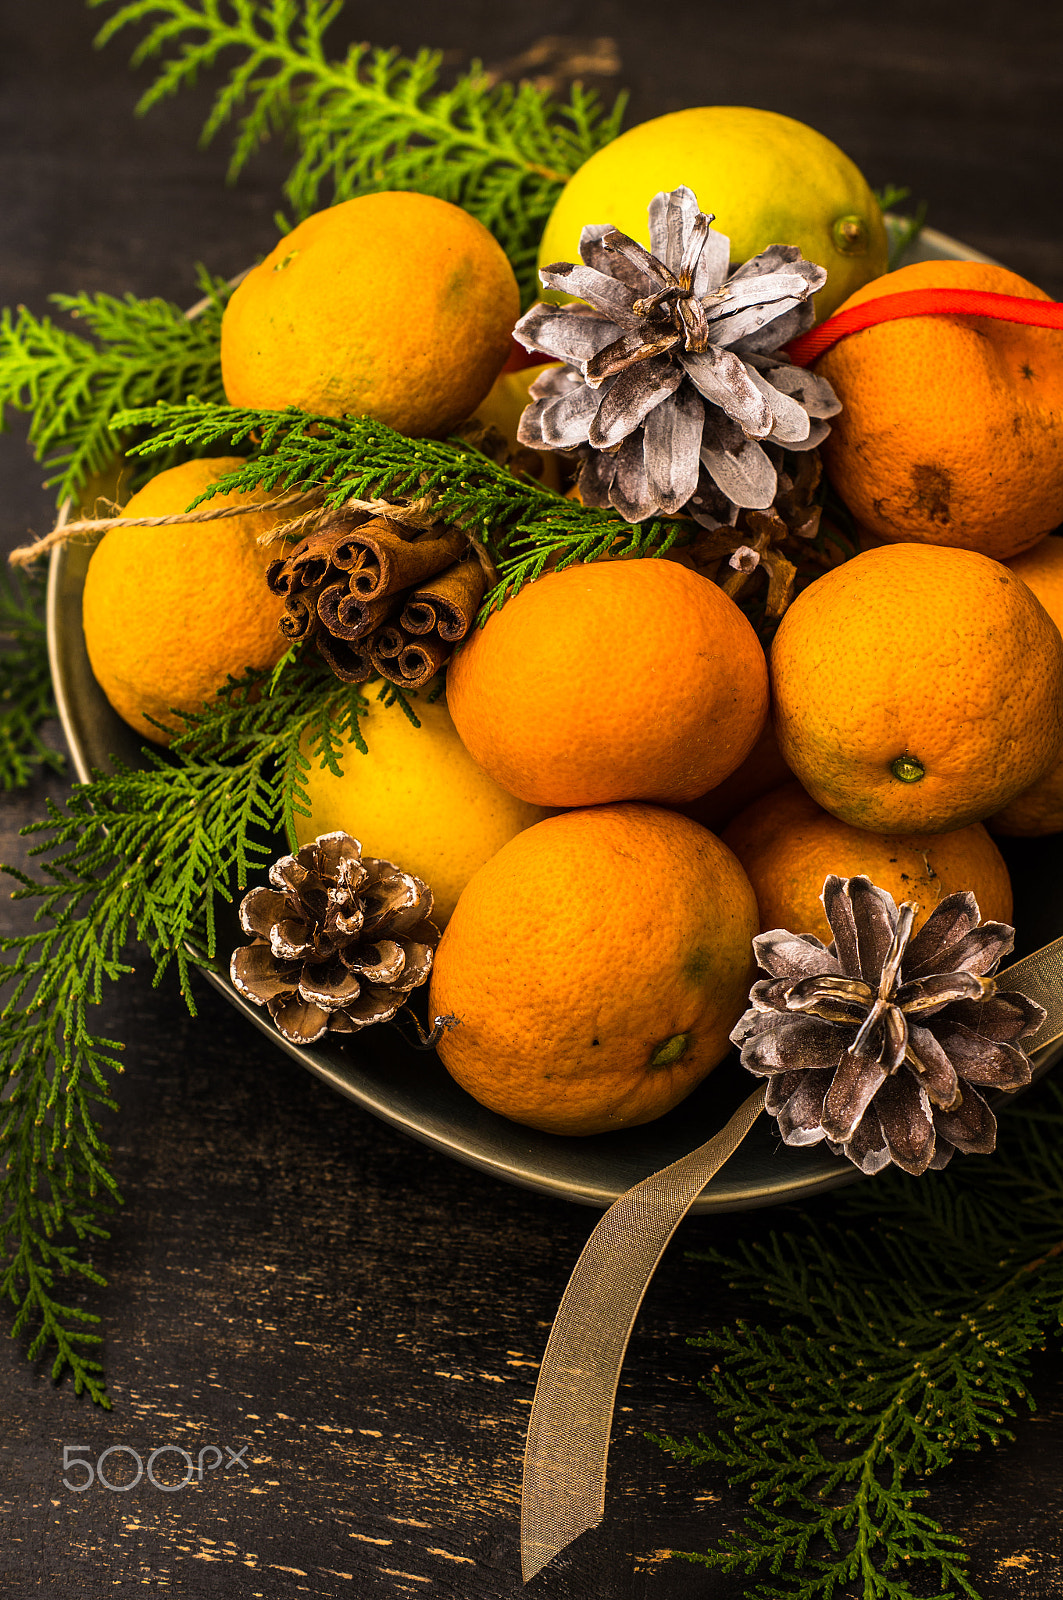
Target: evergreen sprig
pixel 523 525
pixel 137 855
pixel 374 119
pixel 896 1340
pixel 26 699
pixel 139 351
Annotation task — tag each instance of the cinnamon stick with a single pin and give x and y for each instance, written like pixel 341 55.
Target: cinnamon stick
pixel 299 618
pixel 347 615
pixel 381 560
pixel 447 603
pixel 351 662
pixel 407 662
pixel 304 566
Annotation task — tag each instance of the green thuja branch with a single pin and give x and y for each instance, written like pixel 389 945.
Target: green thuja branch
pixel 375 119
pixel 524 526
pixel 134 856
pixel 26 699
pixel 892 1345
pixel 902 230
pixel 137 351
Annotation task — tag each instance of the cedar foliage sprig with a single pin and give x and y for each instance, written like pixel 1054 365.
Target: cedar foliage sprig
pixel 26 699
pixel 137 855
pixel 139 351
pixel 523 525
pixel 896 1340
pixel 374 119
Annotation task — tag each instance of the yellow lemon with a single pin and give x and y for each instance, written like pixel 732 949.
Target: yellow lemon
pixel 418 799
pixel 767 178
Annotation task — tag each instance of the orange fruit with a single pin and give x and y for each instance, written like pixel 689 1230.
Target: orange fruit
pixel 397 306
pixel 949 429
pixel 596 966
pixel 788 845
pixel 763 770
pixel 917 688
pixel 170 613
pixel 1039 809
pixel 614 680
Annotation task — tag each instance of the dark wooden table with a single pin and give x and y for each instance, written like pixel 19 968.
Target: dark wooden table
pixel 289 1275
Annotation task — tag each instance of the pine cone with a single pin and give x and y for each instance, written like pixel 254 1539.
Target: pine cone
pixel 881 1046
pixel 776 542
pixel 672 374
pixel 339 941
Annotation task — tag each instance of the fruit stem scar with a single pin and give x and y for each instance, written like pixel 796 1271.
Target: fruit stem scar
pixel 907 769
pixel 668 1053
pixel 850 235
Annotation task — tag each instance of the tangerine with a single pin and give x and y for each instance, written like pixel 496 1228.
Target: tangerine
pixel 1039 809
pixel 917 688
pixel 611 680
pixel 171 613
pixel 949 428
pixel 397 306
pixel 596 966
pixel 788 845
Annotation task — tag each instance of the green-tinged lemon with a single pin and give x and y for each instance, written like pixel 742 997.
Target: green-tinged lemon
pixel 768 179
pixel 418 798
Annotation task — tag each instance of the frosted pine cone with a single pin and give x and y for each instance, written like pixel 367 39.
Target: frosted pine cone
pixel 882 1046
pixel 673 389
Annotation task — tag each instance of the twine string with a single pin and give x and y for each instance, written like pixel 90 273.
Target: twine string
pixel 420 514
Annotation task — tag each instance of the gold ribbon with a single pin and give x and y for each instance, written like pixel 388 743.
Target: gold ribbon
pixel 572 1414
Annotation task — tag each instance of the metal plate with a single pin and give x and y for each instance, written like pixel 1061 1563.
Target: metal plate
pixel 414 1093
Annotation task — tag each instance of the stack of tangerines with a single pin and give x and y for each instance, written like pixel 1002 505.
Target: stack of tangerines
pixel 611 715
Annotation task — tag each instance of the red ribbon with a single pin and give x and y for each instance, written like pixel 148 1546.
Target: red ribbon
pixel 921 303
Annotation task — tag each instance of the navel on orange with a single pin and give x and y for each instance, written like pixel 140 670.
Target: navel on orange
pixel 170 613
pixel 596 966
pixel 949 430
pixel 917 688
pixel 613 680
pixel 396 306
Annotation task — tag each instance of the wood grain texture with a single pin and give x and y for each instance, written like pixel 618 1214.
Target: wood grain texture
pixel 288 1274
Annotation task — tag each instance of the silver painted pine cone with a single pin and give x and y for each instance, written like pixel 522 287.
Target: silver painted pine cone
pixel 880 1043
pixel 672 387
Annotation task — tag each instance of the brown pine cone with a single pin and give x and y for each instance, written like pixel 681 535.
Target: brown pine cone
pixel 340 940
